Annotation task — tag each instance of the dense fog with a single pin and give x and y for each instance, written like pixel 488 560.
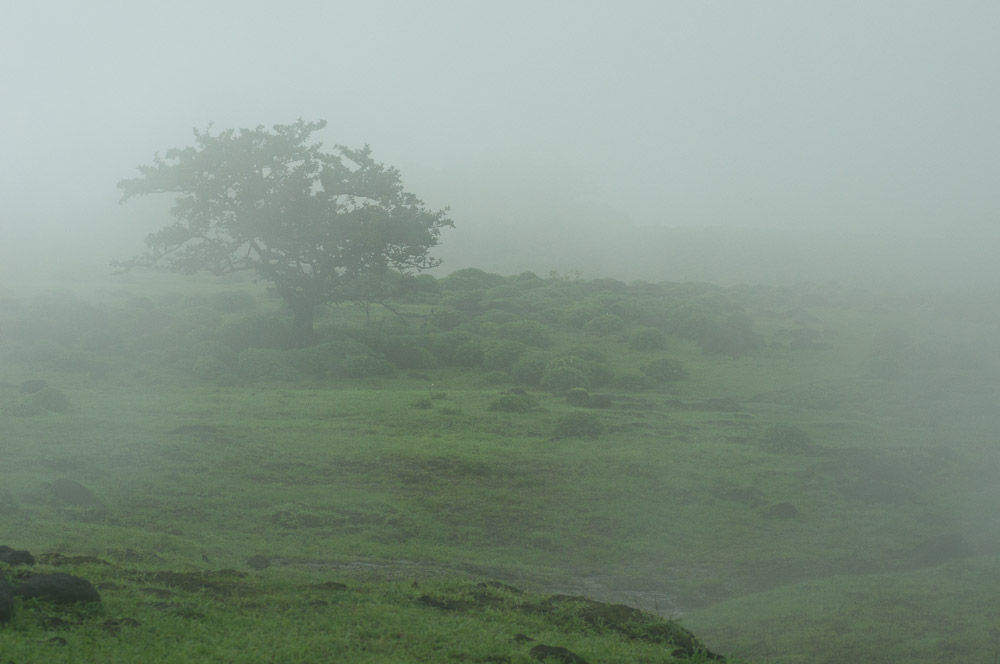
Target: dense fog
pixel 624 139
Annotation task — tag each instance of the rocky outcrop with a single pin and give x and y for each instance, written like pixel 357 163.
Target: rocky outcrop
pixel 58 588
pixel 6 600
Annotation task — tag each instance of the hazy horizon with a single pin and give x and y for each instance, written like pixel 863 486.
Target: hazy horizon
pixel 569 118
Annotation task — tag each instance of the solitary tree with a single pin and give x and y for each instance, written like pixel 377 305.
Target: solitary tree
pixel 323 227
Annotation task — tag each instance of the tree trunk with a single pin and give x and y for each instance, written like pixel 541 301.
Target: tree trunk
pixel 302 323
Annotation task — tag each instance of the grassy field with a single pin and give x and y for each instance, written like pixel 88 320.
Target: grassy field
pixel 796 475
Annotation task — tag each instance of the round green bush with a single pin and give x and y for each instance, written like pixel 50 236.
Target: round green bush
pixel 50 398
pixel 561 379
pixel 784 438
pixel 665 369
pixel 604 325
pixel 528 370
pixel 577 396
pixel 234 302
pixel 632 382
pixel 265 363
pixel 597 373
pixel 529 332
pixel 364 365
pixel 647 338
pixel 497 316
pixel 206 367
pixel 501 355
pixel 577 315
pixel 468 354
pixel 260 331
pixel 513 402
pixel 579 424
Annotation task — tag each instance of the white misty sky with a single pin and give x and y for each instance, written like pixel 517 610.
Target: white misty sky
pixel 857 115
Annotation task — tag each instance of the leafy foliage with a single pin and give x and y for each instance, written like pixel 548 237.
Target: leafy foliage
pixel 323 227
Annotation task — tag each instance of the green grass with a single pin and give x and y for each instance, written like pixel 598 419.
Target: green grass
pixel 385 480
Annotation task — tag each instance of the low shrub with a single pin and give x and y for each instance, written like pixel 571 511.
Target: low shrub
pixel 260 331
pixel 52 399
pixel 513 402
pixel 560 379
pixel 632 382
pixel 364 365
pixel 578 396
pixel 665 369
pixel 529 368
pixel 529 332
pixel 233 302
pixel 647 338
pixel 579 424
pixel 266 364
pixel 501 355
pixel 604 325
pixel 784 438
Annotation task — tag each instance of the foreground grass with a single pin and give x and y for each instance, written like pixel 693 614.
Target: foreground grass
pixel 160 616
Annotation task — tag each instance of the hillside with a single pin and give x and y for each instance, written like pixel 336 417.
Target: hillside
pixel 796 474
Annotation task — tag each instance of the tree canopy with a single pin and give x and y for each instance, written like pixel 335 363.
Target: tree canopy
pixel 323 226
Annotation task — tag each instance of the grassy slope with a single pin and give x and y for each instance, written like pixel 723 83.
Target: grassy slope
pixel 343 478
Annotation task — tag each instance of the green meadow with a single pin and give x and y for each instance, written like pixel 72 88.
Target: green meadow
pixel 802 474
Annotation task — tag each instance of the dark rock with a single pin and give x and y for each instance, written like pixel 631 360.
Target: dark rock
pixel 114 625
pixel 12 557
pixel 73 493
pixel 58 559
pixel 57 587
pixel 6 600
pixel 630 623
pixel 51 623
pixel 446 603
pixel 328 585
pixel 543 652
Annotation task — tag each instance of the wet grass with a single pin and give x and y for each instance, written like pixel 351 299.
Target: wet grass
pixel 677 505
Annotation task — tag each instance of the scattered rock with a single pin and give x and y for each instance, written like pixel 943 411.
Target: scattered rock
pixel 128 555
pixel 58 560
pixel 12 557
pixel 6 600
pixel 543 652
pixel 114 625
pixel 781 511
pixel 328 585
pixel 57 587
pixel 446 603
